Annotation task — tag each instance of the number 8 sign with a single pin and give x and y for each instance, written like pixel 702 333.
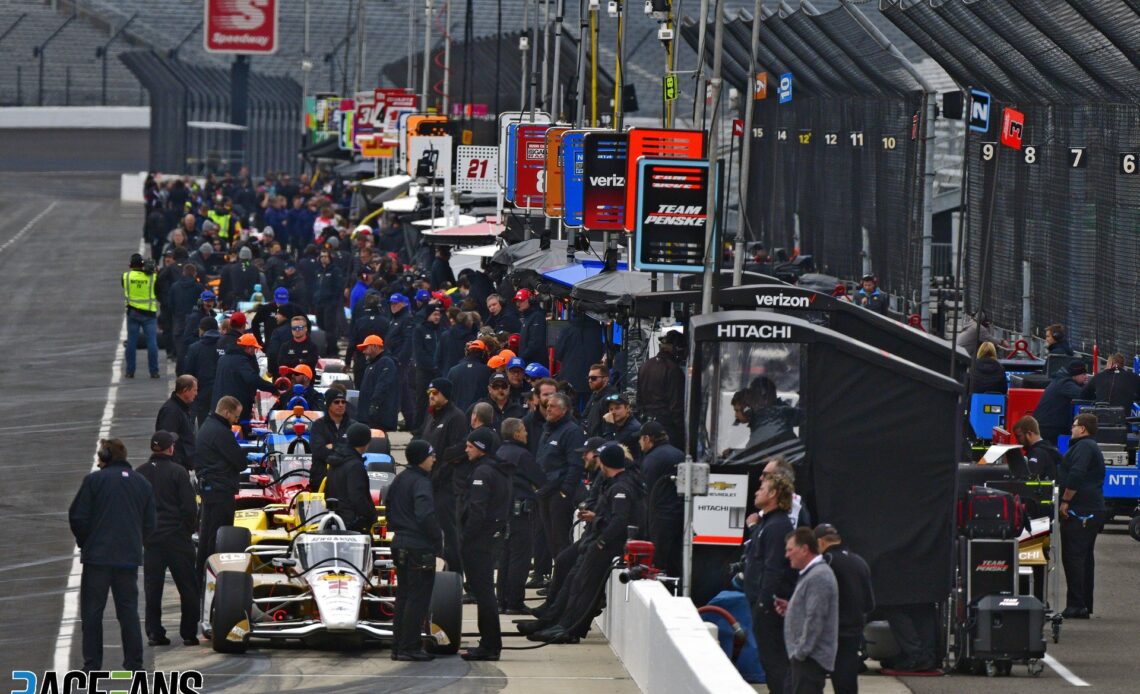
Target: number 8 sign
pixel 475 169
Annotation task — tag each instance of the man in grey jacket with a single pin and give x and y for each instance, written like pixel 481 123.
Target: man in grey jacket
pixel 811 617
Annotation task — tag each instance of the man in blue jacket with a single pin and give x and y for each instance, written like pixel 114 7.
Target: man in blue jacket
pixel 219 462
pixel 532 338
pixel 561 435
pixel 1055 409
pixel 237 374
pixel 379 402
pixel 1082 511
pixel 399 347
pixel 111 515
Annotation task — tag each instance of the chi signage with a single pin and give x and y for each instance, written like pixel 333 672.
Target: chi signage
pixel 241 26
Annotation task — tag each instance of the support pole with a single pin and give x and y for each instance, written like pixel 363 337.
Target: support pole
pixel 239 108
pixel 556 76
pixel 583 29
pixel 711 213
pixel 446 57
pixel 1026 298
pixel 746 151
pixel 543 103
pixel 427 56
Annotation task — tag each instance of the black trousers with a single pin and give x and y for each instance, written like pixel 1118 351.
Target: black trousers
pixel 665 532
pixel 177 555
pixel 415 578
pixel 407 399
pixel 805 677
pixel 215 514
pixel 556 512
pixel 564 565
pixel 124 587
pixel 583 589
pixel 1077 544
pixel 445 512
pixel 543 561
pixel 768 628
pixel 479 559
pixel 514 563
pixel 845 677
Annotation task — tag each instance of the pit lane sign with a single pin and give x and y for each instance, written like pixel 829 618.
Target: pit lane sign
pixel 669 235
pixel 530 165
pixel 475 169
pixel 241 26
pixel 656 143
pixel 718 517
pixel 604 168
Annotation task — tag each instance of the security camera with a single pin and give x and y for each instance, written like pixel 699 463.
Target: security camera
pixel 612 9
pixel 665 34
pixel 524 43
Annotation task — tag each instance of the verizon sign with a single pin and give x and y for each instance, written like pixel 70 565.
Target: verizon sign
pixel 241 26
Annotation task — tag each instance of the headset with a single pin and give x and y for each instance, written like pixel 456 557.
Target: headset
pixel 104 453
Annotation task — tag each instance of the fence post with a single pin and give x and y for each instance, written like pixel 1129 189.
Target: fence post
pixel 67 86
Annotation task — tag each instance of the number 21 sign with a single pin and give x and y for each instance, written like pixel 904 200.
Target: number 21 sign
pixel 475 169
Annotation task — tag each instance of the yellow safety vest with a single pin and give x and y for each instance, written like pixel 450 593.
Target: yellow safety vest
pixel 138 291
pixel 223 219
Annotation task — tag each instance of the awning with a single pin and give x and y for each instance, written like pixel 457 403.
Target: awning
pixel 570 275
pixel 480 251
pixel 402 205
pixel 467 226
pixel 387 182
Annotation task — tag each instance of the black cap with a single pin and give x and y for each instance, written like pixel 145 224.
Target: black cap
pixel 358 435
pixel 592 444
pixel 334 394
pixel 483 439
pixel 826 530
pixel 161 440
pixel 136 260
pixel 612 456
pixel 418 451
pixel 1077 368
pixel 673 338
pixel 653 429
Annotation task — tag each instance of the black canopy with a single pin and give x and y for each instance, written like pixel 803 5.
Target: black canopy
pixel 609 289
pixel 880 435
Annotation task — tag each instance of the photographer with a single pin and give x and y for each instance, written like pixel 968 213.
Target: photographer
pixel 142 313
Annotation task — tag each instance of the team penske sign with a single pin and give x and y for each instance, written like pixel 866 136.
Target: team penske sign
pixel 669 227
pixel 241 26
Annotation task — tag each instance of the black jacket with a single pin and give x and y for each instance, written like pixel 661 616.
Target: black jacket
pixel 425 344
pixel 856 595
pixel 237 376
pixel 370 321
pixel 657 467
pixel 532 337
pixel 451 344
pixel 661 394
pixel 201 362
pixel 528 476
pixel 111 516
pixel 1082 470
pixel 398 340
pixel 410 510
pixel 1054 412
pixel 507 321
pixel 512 409
pixel 988 376
pixel 1043 459
pixel 469 378
pixel 175 507
pixel 324 436
pixel 767 572
pixel 627 434
pixel 219 461
pixel 293 353
pixel 488 508
pixel 446 431
pixel 620 505
pixel 441 274
pixel 329 287
pixel 174 416
pixel 238 281
pixel 557 457
pixel 1116 386
pixel 183 299
pixel 596 408
pixel 379 400
pixel 348 483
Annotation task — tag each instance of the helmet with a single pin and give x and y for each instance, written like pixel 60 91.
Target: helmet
pixel 536 370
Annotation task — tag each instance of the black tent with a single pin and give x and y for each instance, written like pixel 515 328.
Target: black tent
pixel 843 317
pixel 879 435
pixel 607 290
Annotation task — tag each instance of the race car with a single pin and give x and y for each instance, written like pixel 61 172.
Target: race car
pixel 326 583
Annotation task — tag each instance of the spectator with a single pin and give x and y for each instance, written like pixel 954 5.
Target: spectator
pixel 328 432
pixel 619 424
pixel 300 349
pixel 1115 386
pixel 811 616
pixel 446 430
pixel 661 386
pixel 518 549
pixel 202 363
pixel 856 601
pixel 563 469
pixel 580 344
pixel 502 319
pixel 238 376
pixel 1082 511
pixel 768 580
pixel 111 515
pixel 219 463
pixel 471 375
pixel 987 374
pixel 664 508
pixel 869 295
pixel 598 381
pixel 348 480
pixel 532 337
pixel 378 404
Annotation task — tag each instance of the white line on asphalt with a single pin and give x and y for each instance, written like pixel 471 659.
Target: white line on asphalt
pixel 68 621
pixel 28 226
pixel 1065 672
pixel 358 676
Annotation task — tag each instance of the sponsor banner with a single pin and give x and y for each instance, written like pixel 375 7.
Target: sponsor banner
pixel 604 168
pixel 240 26
pixel 671 215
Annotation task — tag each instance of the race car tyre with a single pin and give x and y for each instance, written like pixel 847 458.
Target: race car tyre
pixel 447 610
pixel 1134 528
pixel 233 595
pixel 232 540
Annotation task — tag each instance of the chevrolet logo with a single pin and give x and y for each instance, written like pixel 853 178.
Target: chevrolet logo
pixel 721 486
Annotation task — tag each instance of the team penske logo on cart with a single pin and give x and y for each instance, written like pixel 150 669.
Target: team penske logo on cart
pixel 677 215
pixel 783 301
pixel 993 566
pixel 750 331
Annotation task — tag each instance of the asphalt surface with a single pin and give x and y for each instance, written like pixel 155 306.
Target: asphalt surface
pixel 63 244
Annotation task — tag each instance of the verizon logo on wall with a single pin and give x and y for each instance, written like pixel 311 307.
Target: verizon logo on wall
pixel 241 26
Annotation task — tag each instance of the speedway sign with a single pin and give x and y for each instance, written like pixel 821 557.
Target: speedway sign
pixel 240 26
pixel 669 233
